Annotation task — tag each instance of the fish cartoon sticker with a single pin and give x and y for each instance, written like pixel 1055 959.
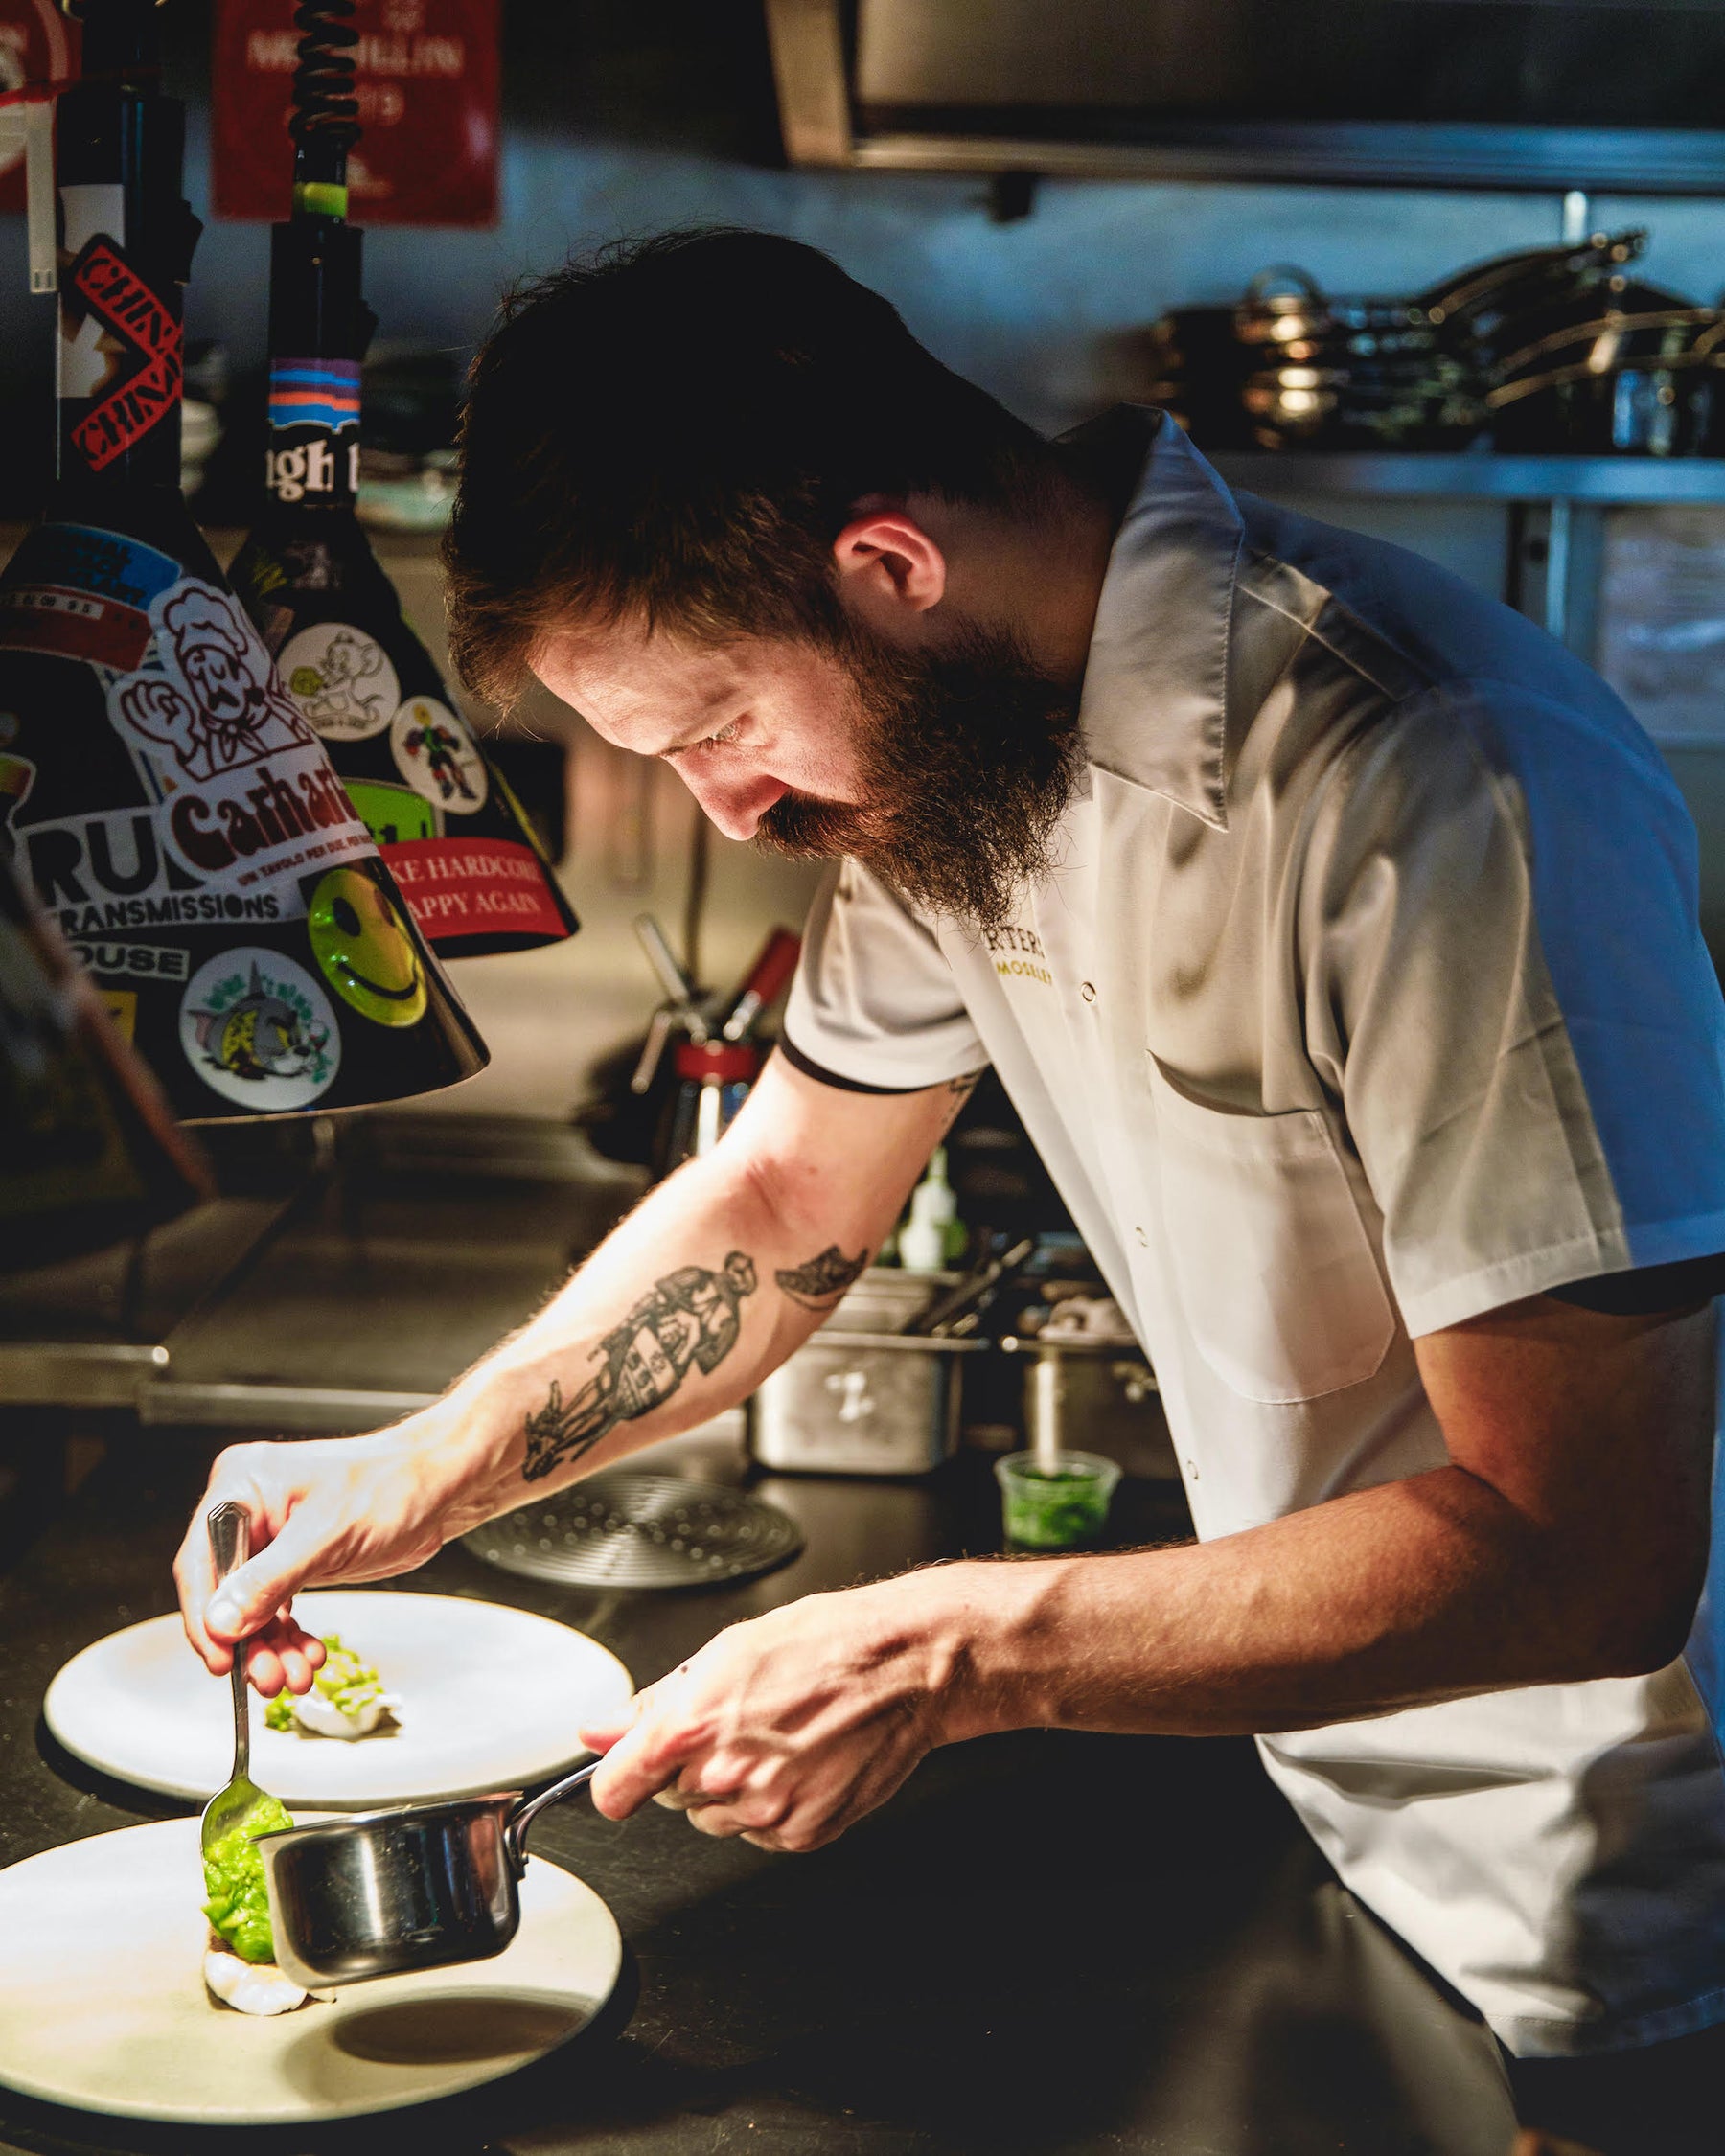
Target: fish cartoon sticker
pixel 435 754
pixel 341 679
pixel 259 1030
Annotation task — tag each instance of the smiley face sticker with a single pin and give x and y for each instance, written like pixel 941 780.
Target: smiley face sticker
pixel 363 943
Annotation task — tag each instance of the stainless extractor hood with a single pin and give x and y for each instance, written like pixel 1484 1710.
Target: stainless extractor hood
pixel 1528 94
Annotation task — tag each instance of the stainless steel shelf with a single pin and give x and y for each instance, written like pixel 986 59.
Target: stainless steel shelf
pixel 1470 476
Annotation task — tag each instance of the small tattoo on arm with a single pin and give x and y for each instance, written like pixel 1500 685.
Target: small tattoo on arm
pixel 818 1284
pixel 691 1317
pixel 959 1091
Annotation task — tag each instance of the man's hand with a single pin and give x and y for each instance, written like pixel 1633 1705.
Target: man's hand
pixel 726 1267
pixel 788 1729
pixel 322 1509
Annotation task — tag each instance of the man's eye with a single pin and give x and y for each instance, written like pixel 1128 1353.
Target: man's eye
pixel 723 739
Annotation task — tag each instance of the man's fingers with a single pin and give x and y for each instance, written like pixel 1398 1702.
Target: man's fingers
pixel 254 1592
pixel 641 1763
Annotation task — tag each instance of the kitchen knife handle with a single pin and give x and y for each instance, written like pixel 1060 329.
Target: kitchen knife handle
pixel 772 968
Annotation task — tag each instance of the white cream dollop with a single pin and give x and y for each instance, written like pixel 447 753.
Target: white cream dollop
pixel 323 1718
pixel 250 1987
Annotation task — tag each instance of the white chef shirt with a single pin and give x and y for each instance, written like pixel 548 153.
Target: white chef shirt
pixel 1366 995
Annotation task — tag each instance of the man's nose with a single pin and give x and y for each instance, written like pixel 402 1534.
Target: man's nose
pixel 735 804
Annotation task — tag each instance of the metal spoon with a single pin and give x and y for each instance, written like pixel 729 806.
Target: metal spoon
pixel 230 1546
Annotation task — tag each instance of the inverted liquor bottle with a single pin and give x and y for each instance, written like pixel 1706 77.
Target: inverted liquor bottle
pixel 454 835
pixel 176 813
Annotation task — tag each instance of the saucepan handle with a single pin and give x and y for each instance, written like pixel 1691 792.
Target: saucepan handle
pixel 515 1827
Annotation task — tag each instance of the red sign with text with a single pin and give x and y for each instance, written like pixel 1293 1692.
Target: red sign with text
pixel 37 44
pixel 473 886
pixel 427 82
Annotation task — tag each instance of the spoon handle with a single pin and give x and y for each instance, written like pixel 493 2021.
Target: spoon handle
pixel 230 1546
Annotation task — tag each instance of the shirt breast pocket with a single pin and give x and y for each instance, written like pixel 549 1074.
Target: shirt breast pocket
pixel 1275 1270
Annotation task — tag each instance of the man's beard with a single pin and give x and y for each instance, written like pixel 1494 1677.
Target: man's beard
pixel 966 757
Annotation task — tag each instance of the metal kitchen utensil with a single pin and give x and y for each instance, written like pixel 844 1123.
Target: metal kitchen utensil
pixel 422 1887
pixel 640 1531
pixel 957 1313
pixel 229 1528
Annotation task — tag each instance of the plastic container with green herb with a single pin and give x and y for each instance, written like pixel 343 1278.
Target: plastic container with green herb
pixel 1060 1503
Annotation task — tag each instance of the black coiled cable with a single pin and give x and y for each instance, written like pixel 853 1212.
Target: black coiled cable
pixel 324 120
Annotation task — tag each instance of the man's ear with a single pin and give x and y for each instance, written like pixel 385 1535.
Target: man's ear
pixel 888 565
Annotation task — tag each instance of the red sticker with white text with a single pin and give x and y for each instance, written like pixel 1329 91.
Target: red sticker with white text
pixel 127 306
pixel 474 886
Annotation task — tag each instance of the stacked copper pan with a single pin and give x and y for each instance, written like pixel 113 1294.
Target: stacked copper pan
pixel 1553 350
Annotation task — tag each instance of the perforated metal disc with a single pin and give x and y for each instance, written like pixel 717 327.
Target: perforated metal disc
pixel 640 1531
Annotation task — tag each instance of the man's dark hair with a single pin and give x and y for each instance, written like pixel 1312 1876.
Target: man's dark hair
pixel 675 431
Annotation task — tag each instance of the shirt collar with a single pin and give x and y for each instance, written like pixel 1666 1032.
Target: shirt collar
pixel 1155 703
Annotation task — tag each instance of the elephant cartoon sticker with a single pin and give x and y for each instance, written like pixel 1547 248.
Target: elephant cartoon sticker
pixel 341 681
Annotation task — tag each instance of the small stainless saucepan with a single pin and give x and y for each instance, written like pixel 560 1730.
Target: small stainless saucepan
pixel 418 1887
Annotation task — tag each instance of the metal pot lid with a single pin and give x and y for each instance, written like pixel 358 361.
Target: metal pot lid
pixel 633 1530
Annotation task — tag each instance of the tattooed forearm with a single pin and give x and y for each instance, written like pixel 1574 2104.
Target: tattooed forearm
pixel 692 1316
pixel 818 1284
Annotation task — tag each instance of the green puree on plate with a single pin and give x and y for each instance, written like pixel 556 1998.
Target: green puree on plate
pixel 348 1683
pixel 239 1903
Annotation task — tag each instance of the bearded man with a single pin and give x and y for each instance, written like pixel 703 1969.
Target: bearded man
pixel 1368 1032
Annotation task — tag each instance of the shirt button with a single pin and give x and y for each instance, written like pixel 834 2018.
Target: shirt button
pixel 1086 992
pixel 1142 1237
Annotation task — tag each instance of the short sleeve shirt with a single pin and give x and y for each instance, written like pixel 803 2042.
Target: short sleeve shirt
pixel 1366 994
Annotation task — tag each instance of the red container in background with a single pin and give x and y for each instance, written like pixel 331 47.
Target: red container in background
pixel 428 83
pixel 37 45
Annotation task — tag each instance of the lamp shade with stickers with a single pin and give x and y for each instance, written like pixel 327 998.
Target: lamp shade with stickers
pixel 173 806
pixel 458 843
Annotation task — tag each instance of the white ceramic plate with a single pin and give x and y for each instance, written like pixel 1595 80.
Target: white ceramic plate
pixel 492 1698
pixel 103 2005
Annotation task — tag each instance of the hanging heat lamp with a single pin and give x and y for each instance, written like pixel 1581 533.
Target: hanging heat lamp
pixel 455 838
pixel 177 813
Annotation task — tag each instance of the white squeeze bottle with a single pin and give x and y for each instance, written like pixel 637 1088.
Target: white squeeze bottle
pixel 922 1241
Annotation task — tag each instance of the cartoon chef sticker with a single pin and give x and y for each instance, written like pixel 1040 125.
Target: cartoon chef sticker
pixel 435 754
pixel 215 705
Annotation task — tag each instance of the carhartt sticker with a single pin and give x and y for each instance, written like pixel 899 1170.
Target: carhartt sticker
pixel 341 679
pixel 364 948
pixel 435 754
pixel 259 1031
pixel 250 797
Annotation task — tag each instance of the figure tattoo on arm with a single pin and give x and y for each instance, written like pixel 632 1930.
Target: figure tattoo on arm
pixel 818 1284
pixel 692 1316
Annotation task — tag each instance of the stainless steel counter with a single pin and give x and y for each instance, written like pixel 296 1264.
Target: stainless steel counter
pixel 1046 1943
